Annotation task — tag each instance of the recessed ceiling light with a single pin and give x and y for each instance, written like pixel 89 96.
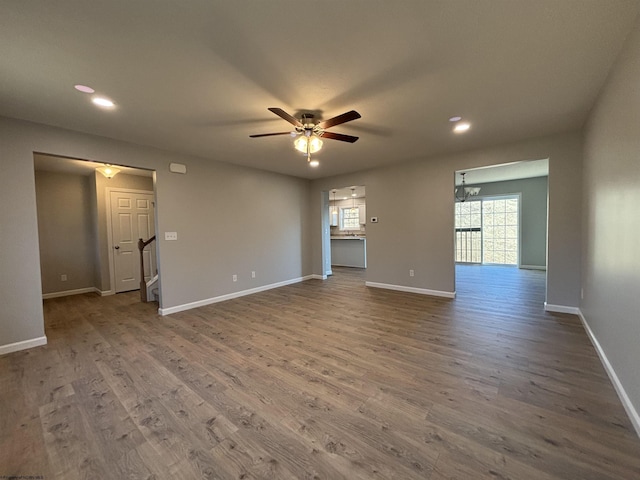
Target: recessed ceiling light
pixel 462 127
pixel 345 198
pixel 103 102
pixel 84 89
pixel 314 163
pixel 455 119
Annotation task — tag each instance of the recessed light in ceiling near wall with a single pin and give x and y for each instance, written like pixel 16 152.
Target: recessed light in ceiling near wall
pixel 462 127
pixel 84 88
pixel 103 102
pixel 456 118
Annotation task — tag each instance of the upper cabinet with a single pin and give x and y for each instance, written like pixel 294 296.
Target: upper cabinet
pixel 363 214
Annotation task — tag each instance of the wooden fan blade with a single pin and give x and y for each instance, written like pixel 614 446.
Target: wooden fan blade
pixel 339 136
pixel 344 118
pixel 269 134
pixel 282 114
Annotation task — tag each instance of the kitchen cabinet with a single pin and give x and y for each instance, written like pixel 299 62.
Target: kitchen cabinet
pixel 363 214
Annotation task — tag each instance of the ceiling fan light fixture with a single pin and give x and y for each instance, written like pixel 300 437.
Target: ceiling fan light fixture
pixel 300 144
pixel 315 144
pixel 307 144
pixel 308 131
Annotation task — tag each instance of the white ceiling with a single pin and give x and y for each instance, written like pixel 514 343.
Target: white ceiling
pixel 197 77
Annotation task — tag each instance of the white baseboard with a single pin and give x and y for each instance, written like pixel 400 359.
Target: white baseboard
pixel 561 309
pixel 66 293
pixel 229 296
pixel 622 394
pixel 105 293
pixel 533 267
pixel 315 276
pixel 25 344
pixel 421 291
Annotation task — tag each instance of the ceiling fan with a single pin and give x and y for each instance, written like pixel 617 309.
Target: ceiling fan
pixel 308 131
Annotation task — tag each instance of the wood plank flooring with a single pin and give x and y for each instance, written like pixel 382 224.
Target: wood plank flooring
pixel 318 380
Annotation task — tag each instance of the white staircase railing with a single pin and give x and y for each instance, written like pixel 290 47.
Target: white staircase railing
pixel 148 290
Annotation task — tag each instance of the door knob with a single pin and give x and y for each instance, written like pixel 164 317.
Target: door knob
pixel 117 247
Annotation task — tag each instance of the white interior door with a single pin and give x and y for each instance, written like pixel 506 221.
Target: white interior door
pixel 132 218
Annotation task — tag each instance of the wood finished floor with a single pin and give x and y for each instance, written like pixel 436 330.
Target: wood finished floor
pixel 318 380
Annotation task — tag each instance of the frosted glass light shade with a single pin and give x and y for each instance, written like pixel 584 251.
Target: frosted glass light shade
pixel 108 171
pixel 314 142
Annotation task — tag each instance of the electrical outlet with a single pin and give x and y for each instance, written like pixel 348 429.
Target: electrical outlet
pixel 63 278
pixel 253 274
pixel 235 278
pixel 411 273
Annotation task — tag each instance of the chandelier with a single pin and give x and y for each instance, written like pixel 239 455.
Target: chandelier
pixel 464 191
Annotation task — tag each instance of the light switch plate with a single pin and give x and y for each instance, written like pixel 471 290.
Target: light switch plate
pixel 171 235
pixel 374 219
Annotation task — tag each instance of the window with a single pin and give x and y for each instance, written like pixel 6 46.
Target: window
pixel 500 231
pixel 468 223
pixel 349 218
pixel 486 231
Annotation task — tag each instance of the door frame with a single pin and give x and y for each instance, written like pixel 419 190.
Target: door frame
pixel 107 191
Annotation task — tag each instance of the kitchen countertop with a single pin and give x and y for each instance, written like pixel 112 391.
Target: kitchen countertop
pixel 348 237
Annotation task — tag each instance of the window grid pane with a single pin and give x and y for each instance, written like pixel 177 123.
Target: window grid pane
pixel 350 218
pixel 468 222
pixel 500 232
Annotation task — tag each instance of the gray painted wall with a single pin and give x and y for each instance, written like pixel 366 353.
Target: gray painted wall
pixel 414 203
pixel 611 260
pixel 533 215
pixel 229 219
pixel 65 231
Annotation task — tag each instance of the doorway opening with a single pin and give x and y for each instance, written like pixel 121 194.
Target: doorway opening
pixel 344 228
pixel 76 229
pixel 500 221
